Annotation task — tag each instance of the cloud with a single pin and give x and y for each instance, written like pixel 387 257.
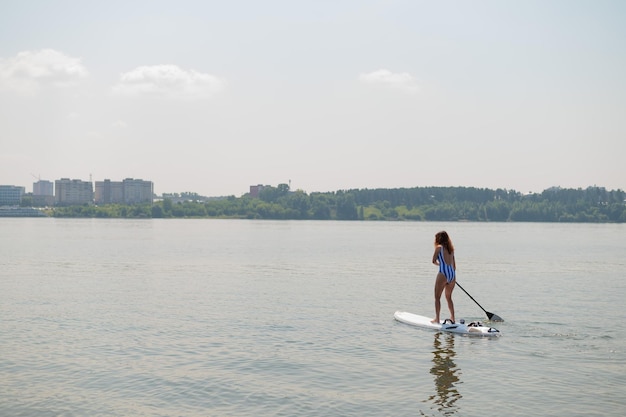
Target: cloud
pixel 401 81
pixel 168 81
pixel 29 71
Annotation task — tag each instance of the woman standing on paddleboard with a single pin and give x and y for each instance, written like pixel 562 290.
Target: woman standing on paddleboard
pixel 444 258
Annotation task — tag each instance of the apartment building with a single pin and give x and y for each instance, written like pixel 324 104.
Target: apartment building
pixel 43 187
pixel 255 190
pixel 11 195
pixel 128 191
pixel 71 192
pixel 43 193
pixel 109 192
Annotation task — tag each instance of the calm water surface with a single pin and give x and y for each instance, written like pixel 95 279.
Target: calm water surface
pixel 262 318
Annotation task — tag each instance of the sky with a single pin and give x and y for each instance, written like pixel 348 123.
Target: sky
pixel 214 96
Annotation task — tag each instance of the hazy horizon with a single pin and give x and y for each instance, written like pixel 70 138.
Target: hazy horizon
pixel 212 97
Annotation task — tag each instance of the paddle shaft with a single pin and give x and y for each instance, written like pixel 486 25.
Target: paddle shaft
pixel 489 315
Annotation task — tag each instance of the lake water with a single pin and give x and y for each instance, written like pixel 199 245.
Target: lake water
pixel 287 318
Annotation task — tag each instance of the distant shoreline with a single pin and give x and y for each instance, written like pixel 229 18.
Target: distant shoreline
pixel 555 205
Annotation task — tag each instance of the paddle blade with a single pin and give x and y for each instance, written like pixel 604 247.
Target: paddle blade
pixel 494 317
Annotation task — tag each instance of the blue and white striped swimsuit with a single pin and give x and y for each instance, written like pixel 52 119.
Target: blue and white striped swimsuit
pixel 446 269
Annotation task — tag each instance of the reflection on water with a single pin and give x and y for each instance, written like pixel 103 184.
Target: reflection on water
pixel 446 375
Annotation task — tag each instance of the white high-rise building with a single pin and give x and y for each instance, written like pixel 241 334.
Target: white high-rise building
pixel 43 193
pixel 43 187
pixel 71 192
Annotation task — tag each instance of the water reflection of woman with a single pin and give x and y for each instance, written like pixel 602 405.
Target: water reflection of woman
pixel 446 375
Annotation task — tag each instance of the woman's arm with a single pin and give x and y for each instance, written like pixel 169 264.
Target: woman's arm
pixel 436 255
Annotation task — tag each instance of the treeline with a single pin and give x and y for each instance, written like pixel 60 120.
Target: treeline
pixel 593 204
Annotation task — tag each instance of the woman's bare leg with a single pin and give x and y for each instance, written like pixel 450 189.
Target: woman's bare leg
pixel 440 284
pixel 449 288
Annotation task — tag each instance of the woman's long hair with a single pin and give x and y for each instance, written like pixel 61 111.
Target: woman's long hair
pixel 444 240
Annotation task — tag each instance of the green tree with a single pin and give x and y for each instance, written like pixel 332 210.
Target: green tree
pixel 167 206
pixel 320 206
pixel 346 207
pixel 157 212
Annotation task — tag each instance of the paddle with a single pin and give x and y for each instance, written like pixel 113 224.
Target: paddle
pixel 490 316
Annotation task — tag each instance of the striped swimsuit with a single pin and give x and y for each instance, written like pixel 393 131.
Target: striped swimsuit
pixel 446 269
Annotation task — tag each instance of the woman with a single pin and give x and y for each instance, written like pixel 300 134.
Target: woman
pixel 444 258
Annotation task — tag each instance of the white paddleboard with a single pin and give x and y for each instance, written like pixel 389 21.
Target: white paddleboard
pixel 473 328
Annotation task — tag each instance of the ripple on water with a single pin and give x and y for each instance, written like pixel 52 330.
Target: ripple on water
pixel 295 318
